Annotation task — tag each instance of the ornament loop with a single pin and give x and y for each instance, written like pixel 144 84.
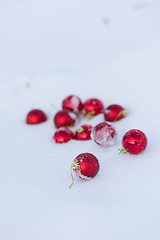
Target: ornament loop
pixel 76 166
pixel 122 151
pixel 122 113
pixel 53 106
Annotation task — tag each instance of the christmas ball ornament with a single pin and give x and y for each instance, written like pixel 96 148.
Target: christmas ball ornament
pixel 72 103
pixel 134 141
pixel 114 113
pixel 64 118
pixel 92 107
pixel 63 135
pixel 104 134
pixel 85 166
pixel 83 133
pixel 36 116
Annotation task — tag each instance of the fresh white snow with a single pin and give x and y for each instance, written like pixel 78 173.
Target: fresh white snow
pixel 100 48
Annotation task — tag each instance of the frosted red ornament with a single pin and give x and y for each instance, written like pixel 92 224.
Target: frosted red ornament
pixel 63 135
pixel 114 113
pixel 64 118
pixel 85 166
pixel 104 134
pixel 92 107
pixel 83 133
pixel 134 141
pixel 36 116
pixel 72 103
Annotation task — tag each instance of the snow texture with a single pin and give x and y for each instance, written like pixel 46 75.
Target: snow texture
pixel 75 103
pixel 105 136
pixel 100 48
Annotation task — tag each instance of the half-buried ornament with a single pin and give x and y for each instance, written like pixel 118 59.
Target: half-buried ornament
pixel 92 107
pixel 85 166
pixel 63 135
pixel 83 133
pixel 36 116
pixel 72 103
pixel 114 113
pixel 64 118
pixel 104 134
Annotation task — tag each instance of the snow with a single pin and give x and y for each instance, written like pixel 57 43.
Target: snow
pixel 75 103
pixel 104 134
pixel 104 49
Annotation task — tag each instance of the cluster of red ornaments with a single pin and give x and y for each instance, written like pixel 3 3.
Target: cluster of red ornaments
pixel 86 165
pixel 73 108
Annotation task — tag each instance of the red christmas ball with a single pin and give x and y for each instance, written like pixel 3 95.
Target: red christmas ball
pixel 114 113
pixel 85 166
pixel 104 134
pixel 63 135
pixel 134 141
pixel 72 103
pixel 64 118
pixel 93 107
pixel 36 116
pixel 83 133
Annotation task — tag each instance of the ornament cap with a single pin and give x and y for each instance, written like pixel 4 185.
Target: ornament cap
pixel 90 115
pixel 80 130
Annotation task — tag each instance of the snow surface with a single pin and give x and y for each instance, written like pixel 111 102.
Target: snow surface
pixel 100 48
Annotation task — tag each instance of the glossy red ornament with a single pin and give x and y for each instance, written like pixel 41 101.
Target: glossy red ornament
pixel 93 107
pixel 83 133
pixel 64 118
pixel 134 141
pixel 36 116
pixel 63 135
pixel 104 134
pixel 85 166
pixel 72 103
pixel 114 113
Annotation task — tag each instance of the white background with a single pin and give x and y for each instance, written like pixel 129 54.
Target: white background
pixel 109 49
